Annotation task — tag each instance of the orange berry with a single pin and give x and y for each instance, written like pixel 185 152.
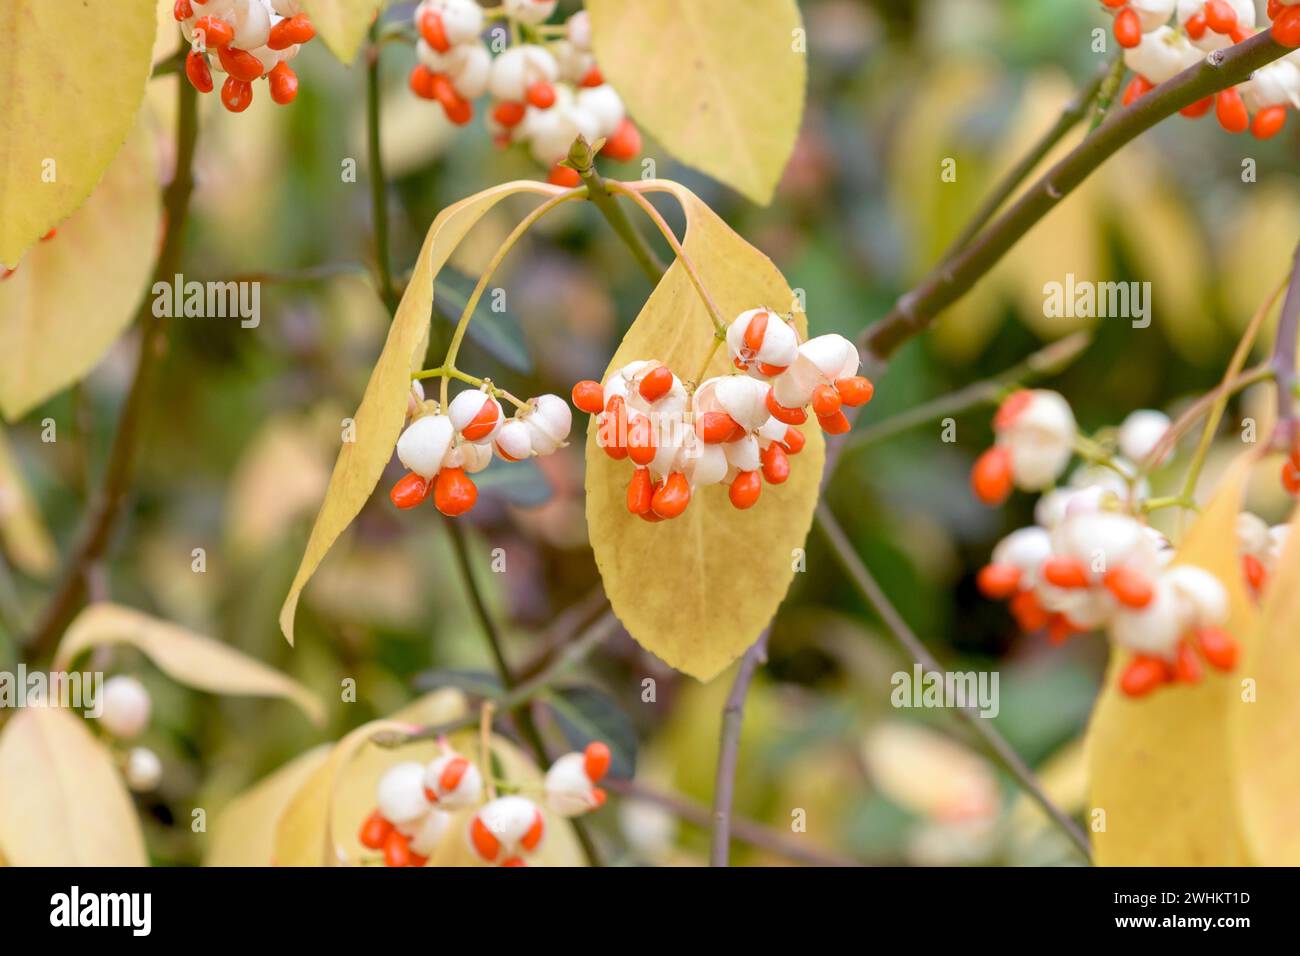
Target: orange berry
pixel 1218 647
pixel 836 424
pixel 421 81
pixel 482 424
pixel 1268 122
pixel 1186 667
pixel 672 497
pixel 997 582
pixel 640 491
pixel 509 114
pixel 1142 675
pixel 1196 25
pixel 990 479
pixel 1131 588
pixel 453 773
pixel 771 371
pixel 593 77
pixel 397 849
pixel 1128 28
pixel 434 33
pixel 855 391
pixel 1059 629
pixel 534 835
pixel 1012 407
pixel 1029 614
pixel 286 33
pixel 541 94
pixel 756 331
pixel 485 844
pixel 825 401
pixel 1198 109
pixel 1254 571
pixel 453 493
pixel 1231 111
pixel 214 31
pixel 598 796
pixel 656 383
pixel 790 416
pixel 416 859
pixel 612 435
pixel 1137 88
pixel 776 466
pixel 374 832
pixel 1286 26
pixel 1274 8
pixel 793 440
pixel 715 427
pixel 563 176
pixel 236 94
pixel 283 83
pixel 640 440
pixel 240 64
pixel 624 144
pixel 745 489
pixel 198 72
pixel 514 861
pixel 410 491
pixel 1065 572
pixel 589 396
pixel 1220 16
pixel 1291 477
pixel 182 10
pixel 596 760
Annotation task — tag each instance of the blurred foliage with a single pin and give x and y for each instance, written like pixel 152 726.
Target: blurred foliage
pixel 244 423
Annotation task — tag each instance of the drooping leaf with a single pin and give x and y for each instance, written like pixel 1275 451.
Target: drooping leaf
pixel 62 801
pixel 342 24
pixel 65 107
pixel 719 84
pixel 383 406
pixel 27 542
pixel 585 714
pixel 243 832
pixel 697 590
pixel 1160 766
pixel 72 296
pixel 1263 723
pixel 189 658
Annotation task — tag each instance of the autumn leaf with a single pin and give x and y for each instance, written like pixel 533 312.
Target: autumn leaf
pixel 698 590
pixel 1161 767
pixel 342 24
pixel 71 297
pixel 27 542
pixel 65 107
pixel 62 801
pixel 378 421
pixel 721 85
pixel 182 655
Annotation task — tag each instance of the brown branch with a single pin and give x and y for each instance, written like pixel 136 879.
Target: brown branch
pixel 733 718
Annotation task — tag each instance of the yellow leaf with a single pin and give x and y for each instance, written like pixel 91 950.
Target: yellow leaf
pixel 71 297
pixel 342 24
pixel 23 533
pixel 698 590
pixel 1264 728
pixel 383 406
pixel 719 84
pixel 1160 767
pixel 189 658
pixel 243 833
pixel 323 820
pixel 66 106
pixel 62 801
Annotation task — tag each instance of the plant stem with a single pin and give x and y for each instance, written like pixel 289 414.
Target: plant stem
pixel 742 828
pixel 599 195
pixel 1070 117
pixel 1283 362
pixel 119 472
pixel 951 279
pixel 1046 361
pixel 1106 94
pixel 378 185
pixel 733 717
pixel 993 742
pixel 626 189
pixel 449 363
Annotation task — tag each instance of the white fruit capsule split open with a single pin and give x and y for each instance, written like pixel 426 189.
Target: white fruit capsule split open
pixel 514 441
pixel 401 793
pixel 475 414
pixel 569 791
pixel 424 445
pixel 455 780
pixel 549 422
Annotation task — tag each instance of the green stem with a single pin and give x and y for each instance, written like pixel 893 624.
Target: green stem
pixel 378 185
pixel 599 195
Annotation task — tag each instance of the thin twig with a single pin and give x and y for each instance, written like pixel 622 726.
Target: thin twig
pixel 378 185
pixel 996 746
pixel 951 279
pixel 101 518
pixel 1283 362
pixel 733 717
pixel 742 828
pixel 602 198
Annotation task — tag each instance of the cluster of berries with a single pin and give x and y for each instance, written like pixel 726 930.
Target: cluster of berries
pixel 544 93
pixel 126 710
pixel 733 429
pixel 1260 547
pixel 440 450
pixel 1156 49
pixel 251 39
pixel 1088 563
pixel 415 805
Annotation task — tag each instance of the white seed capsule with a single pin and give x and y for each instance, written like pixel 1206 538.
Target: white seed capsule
pixel 401 793
pixel 509 821
pixel 549 422
pixel 252 23
pixel 468 455
pixel 1162 54
pixel 569 791
pixel 1154 630
pixel 126 706
pixel 1025 548
pixel 462 20
pixel 1141 431
pixel 531 12
pixel 143 770
pixel 604 105
pixel 426 832
pixel 518 68
pixel 578 29
pixel 514 442
pixel 1205 595
pixel 743 455
pixel 476 415
pixel 424 445
pixel 455 780
pixel 702 464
